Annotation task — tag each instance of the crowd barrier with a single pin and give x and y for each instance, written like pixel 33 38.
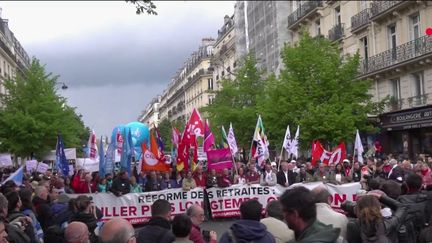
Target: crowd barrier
pixel 223 202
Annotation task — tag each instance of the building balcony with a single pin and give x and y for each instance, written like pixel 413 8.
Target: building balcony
pixel 336 33
pixel 395 105
pixel 304 11
pixel 360 20
pixel 412 51
pixel 381 9
pixel 419 100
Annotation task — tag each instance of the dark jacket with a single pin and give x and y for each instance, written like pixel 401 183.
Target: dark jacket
pixel 417 216
pixel 43 212
pixel 120 186
pixel 157 230
pixel 91 222
pixel 29 230
pixel 281 180
pixel 16 235
pixel 152 185
pixel 318 232
pixel 384 230
pixel 246 231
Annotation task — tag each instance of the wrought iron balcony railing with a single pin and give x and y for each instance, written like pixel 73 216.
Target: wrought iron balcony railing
pixel 302 11
pixel 410 50
pixel 419 100
pixel 395 105
pixel 360 20
pixel 380 7
pixel 337 32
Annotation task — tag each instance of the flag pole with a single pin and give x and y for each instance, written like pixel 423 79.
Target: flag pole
pixel 253 136
pixel 280 157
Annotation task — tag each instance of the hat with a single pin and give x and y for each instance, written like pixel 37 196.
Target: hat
pixel 63 198
pixel 273 163
pixel 346 161
pixel 293 161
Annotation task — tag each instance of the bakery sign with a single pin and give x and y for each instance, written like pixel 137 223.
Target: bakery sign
pixel 407 120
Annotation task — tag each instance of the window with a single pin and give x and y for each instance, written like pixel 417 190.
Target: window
pixel 338 20
pixel 210 83
pixel 415 26
pixel 223 73
pixel 363 5
pixel 217 77
pixel 228 69
pixel 418 84
pixel 392 39
pixel 365 50
pixel 235 64
pixel 318 27
pixel 395 86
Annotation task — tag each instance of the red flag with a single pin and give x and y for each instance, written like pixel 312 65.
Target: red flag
pixel 208 137
pixel 327 157
pixel 194 146
pixel 195 125
pixel 175 137
pixel 183 157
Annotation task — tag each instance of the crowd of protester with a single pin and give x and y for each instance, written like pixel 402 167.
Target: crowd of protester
pixel 395 205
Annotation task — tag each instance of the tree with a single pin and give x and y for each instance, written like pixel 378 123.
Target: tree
pixel 318 90
pixel 32 114
pixel 236 102
pixel 144 6
pixel 164 128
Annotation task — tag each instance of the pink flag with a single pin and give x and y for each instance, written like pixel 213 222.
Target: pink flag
pixel 208 137
pixel 219 159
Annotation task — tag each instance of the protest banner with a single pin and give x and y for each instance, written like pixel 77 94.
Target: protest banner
pixel 135 207
pixel 225 202
pixel 88 164
pixel 70 154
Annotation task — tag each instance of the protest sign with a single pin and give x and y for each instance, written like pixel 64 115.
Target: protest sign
pixel 31 165
pixel 42 167
pixel 5 160
pixel 135 207
pixel 225 202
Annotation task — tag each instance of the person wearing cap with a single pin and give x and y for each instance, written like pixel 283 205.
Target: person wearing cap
pixel 347 167
pixel 274 166
pixel 121 185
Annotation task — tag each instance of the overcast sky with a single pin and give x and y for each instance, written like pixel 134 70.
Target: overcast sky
pixel 113 61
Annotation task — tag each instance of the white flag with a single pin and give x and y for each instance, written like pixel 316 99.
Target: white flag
pixel 294 143
pixel 358 146
pixel 287 141
pixel 232 141
pixel 92 146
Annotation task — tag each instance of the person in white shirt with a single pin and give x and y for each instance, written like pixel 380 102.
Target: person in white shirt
pixel 326 215
pixel 268 178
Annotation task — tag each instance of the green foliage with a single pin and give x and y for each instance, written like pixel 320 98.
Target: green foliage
pixel 317 90
pixel 165 128
pixel 236 102
pixel 32 114
pixel 144 6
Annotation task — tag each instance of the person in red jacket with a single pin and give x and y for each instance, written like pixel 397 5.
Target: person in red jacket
pixel 88 186
pixel 199 177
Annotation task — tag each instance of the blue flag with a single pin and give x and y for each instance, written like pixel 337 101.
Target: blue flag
pixel 127 151
pixel 61 161
pixel 17 176
pixel 109 160
pixel 101 159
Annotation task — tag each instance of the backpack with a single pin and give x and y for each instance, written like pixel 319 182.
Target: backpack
pixel 379 236
pixel 417 216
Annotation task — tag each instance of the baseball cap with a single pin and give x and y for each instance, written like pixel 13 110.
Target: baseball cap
pixel 273 163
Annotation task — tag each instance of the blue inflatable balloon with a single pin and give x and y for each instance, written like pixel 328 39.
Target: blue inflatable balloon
pixel 140 134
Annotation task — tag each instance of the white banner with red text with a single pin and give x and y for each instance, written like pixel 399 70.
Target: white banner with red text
pixel 135 207
pixel 225 202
